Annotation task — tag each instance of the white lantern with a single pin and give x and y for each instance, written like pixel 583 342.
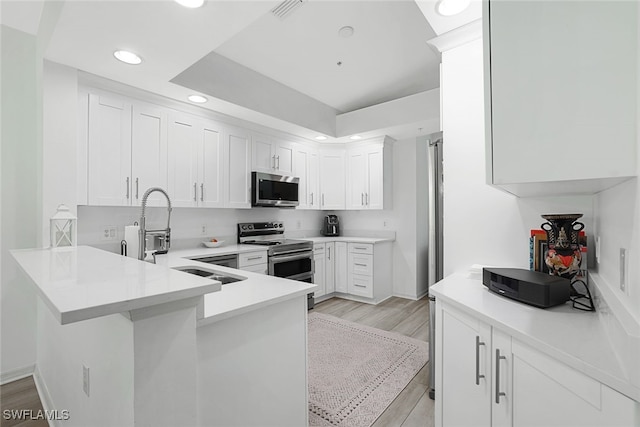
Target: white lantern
pixel 63 227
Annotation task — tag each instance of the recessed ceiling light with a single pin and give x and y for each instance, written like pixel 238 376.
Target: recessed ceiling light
pixel 191 4
pixel 198 99
pixel 355 137
pixel 321 138
pixel 451 7
pixel 345 31
pixel 127 57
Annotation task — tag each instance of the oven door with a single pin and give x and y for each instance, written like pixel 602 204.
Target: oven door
pixel 298 266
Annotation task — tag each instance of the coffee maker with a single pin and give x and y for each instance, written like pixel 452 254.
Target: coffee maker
pixel 331 226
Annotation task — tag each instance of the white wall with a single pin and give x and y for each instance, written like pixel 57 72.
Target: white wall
pixel 483 225
pixel 21 195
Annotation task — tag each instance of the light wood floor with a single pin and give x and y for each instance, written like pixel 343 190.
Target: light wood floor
pixel 412 407
pixel 21 394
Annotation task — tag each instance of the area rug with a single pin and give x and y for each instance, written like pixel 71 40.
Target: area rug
pixel 355 371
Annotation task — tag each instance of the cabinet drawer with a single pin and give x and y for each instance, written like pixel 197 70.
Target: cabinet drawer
pixel 361 248
pixel 318 248
pixel 258 268
pixel 252 258
pixel 361 264
pixel 361 285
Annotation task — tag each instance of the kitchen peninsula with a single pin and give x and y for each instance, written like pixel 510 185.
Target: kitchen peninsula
pixel 125 342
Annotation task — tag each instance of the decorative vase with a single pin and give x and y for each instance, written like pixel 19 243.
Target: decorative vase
pixel 563 256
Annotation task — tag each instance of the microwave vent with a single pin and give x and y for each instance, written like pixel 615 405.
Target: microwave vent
pixel 286 8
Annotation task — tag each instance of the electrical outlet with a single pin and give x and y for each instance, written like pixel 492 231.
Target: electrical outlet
pixel 85 380
pixel 203 229
pixel 385 223
pixel 109 232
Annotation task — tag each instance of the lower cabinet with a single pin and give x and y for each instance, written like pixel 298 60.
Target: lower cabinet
pixel 485 377
pixel 359 270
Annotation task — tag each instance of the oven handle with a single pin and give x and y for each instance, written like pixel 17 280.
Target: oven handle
pixel 300 277
pixel 275 259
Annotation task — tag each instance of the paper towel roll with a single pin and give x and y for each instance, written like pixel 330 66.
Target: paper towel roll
pixel 133 242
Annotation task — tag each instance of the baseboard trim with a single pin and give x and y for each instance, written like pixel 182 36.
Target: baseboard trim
pixel 45 396
pixel 16 374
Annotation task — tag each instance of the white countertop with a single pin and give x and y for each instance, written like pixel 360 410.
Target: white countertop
pixel 574 337
pixel 257 291
pixel 80 283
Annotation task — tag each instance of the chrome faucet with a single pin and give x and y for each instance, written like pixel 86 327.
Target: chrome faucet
pixel 161 239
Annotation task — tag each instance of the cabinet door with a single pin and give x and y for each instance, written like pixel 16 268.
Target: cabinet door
pixel 463 369
pixel 284 158
pixel 329 268
pixel 149 152
pixel 556 86
pixel 356 174
pixel 237 169
pixel 184 141
pixel 374 185
pixel 332 173
pixel 319 277
pixel 313 179
pixel 109 151
pixel 263 154
pixel 301 170
pixel 210 166
pixel 341 270
pixel 569 398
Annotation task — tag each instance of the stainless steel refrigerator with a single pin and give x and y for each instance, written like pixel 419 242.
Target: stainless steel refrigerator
pixel 435 244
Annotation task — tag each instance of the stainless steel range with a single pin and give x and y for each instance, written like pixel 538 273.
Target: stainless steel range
pixel 290 259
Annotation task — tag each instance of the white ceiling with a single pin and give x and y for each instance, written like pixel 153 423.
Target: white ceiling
pixel 386 58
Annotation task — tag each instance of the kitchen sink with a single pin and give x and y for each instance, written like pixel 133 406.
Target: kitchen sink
pixel 221 277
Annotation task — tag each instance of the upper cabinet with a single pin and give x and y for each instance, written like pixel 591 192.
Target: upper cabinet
pixel 306 167
pixel 332 178
pixel 237 168
pixel 561 86
pixel 272 156
pixel 127 151
pixel 369 177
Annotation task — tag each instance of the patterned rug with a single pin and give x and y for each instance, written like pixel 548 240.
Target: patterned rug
pixel 356 371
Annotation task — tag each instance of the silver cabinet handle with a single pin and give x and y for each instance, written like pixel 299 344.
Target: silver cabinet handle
pixel 360 248
pixel 329 256
pixel 127 188
pixel 195 191
pixel 478 344
pixel 137 188
pixel 278 158
pixel 498 392
pixel 361 199
pixel 359 286
pixel 273 158
pixel 311 199
pixel 253 257
pixel 202 192
pixel 366 198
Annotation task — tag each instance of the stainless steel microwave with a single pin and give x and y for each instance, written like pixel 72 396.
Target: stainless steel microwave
pixel 274 190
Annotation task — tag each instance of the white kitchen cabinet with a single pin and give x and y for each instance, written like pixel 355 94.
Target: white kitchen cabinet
pixel 237 168
pixel 369 174
pixel 329 268
pixel 369 271
pixel 305 167
pixel 148 152
pixel 500 381
pixel 340 266
pixel 256 262
pixel 561 98
pixel 332 178
pixel 272 156
pixel 195 162
pixel 109 151
pixel 320 263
